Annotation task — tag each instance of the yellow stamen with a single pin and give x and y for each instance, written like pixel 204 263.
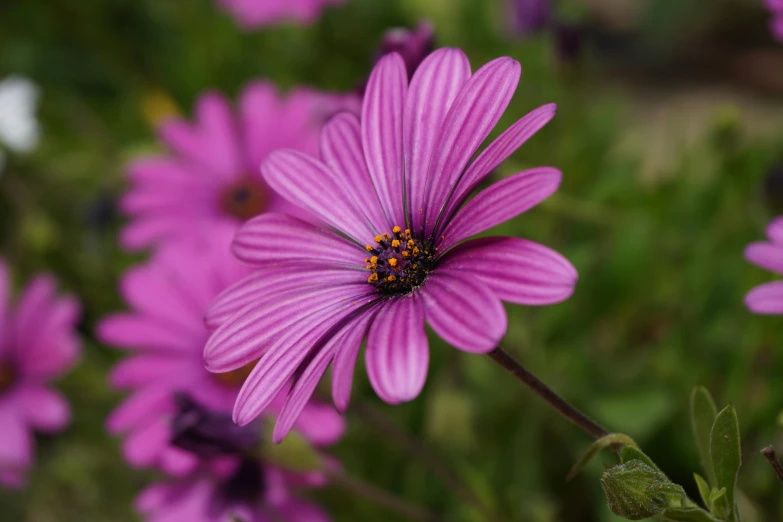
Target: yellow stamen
pixel 377 239
pixel 415 251
pixel 411 244
pixel 373 278
pixel 391 278
pixel 374 260
pixel 405 253
pixel 393 262
pixel 368 248
pixel 395 243
pixel 396 230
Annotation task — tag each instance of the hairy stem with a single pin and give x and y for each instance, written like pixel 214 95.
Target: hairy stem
pixel 566 409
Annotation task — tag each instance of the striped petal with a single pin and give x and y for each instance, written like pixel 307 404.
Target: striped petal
pixel 382 115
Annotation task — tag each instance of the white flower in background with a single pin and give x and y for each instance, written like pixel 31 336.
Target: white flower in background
pixel 19 128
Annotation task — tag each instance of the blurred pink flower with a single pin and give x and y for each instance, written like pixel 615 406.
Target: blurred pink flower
pixel 776 24
pixel 250 14
pixel 38 343
pixel 398 186
pixel 165 332
pixel 767 298
pixel 231 489
pixel 212 172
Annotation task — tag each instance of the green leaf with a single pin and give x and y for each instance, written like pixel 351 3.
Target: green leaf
pixel 703 413
pixel 295 453
pixel 726 455
pixel 688 514
pixel 719 503
pixel 628 453
pixel 636 491
pixel 704 490
pixel 604 442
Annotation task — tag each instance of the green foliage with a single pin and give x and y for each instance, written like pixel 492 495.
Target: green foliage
pixel 636 491
pixel 703 413
pixel 726 456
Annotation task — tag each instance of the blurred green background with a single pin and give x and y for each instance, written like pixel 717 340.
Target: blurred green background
pixel 669 127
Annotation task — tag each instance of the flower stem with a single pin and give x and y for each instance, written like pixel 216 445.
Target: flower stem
pixel 513 367
pixel 769 454
pixel 382 497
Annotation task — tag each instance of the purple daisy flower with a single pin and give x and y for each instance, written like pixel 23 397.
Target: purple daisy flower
pixel 165 333
pixel 38 343
pixel 250 14
pixel 396 186
pixel 211 174
pixel 767 298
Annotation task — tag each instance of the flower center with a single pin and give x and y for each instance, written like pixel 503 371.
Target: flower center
pixel 244 199
pixel 7 377
pixel 206 433
pixel 236 378
pixel 398 263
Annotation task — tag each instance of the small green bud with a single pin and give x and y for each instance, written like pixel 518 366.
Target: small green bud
pixel 636 491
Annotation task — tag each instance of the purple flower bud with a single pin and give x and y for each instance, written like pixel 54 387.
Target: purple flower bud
pixel 208 434
pixel 529 17
pixel 412 44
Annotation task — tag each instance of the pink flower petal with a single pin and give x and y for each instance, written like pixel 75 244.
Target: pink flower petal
pixel 473 115
pixel 311 185
pixel 320 423
pixel 44 408
pixel 212 141
pixel 500 202
pixel 142 407
pixel 16 441
pixel 766 299
pixel 250 332
pixel 345 360
pixel 516 270
pixel 496 153
pixel 35 300
pixel 277 283
pixel 134 332
pixel 146 369
pixel 304 384
pixel 433 89
pixel 53 347
pixel 283 358
pixel 766 255
pixel 259 104
pixel 382 115
pixel 144 446
pixel 464 312
pixel 275 238
pixel 398 354
pixel 775 229
pixel 341 148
